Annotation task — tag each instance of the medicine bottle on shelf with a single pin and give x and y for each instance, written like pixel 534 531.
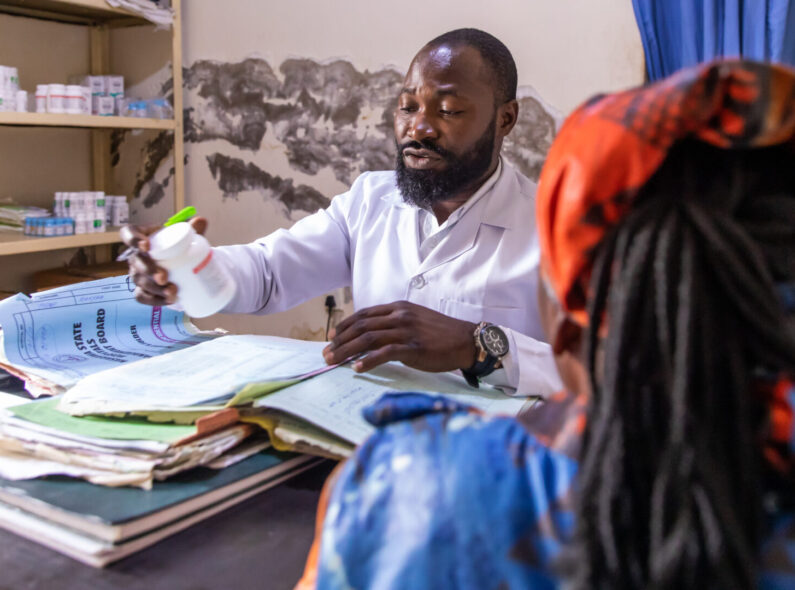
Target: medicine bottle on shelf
pixel 204 285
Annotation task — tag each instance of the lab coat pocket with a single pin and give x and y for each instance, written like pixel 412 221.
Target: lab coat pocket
pixel 509 317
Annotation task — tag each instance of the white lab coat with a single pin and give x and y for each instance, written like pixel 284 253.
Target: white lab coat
pixel 484 269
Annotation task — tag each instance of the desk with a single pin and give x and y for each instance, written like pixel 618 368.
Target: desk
pixel 261 543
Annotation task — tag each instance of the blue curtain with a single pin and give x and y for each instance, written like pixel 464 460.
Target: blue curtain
pixel 681 33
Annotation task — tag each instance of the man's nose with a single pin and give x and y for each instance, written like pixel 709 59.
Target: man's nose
pixel 422 127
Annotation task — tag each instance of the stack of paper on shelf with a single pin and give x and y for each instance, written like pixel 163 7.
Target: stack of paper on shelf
pixel 12 217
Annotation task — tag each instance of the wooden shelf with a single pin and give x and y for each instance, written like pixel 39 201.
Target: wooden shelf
pixel 83 12
pixel 87 121
pixel 17 243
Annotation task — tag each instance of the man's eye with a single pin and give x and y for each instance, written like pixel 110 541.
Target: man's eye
pixel 409 109
pixel 447 113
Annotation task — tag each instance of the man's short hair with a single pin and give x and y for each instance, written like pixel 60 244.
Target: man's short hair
pixel 494 53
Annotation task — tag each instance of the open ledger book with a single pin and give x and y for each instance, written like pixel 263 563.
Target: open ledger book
pixel 280 384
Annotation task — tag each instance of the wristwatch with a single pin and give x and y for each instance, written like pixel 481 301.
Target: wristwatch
pixel 492 345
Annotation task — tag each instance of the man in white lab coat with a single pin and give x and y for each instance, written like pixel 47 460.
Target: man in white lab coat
pixel 441 253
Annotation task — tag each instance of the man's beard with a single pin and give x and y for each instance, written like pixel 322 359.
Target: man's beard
pixel 424 188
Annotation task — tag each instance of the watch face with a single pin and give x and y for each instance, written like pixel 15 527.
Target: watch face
pixel 494 341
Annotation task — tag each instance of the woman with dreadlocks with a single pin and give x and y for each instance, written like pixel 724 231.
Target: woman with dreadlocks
pixel 667 227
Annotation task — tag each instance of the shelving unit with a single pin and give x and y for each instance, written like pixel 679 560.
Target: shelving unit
pixel 82 12
pixel 100 18
pixel 11 243
pixel 86 121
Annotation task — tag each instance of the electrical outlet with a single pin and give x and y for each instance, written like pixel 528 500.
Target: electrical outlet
pixel 345 297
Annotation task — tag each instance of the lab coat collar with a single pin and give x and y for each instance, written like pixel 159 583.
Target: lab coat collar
pixel 491 209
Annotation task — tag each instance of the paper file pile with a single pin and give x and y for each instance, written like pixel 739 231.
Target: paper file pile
pixel 36 440
pixel 12 217
pixel 96 524
pixel 50 459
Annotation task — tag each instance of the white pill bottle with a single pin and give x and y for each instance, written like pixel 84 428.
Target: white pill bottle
pixel 204 284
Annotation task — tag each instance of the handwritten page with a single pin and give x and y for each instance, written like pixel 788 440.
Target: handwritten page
pixel 334 400
pixel 208 373
pixel 65 334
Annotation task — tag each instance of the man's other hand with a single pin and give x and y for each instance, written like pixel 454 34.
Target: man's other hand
pixel 414 335
pixel 152 286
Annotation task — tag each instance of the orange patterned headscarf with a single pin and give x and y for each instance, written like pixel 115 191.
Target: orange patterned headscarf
pixel 612 145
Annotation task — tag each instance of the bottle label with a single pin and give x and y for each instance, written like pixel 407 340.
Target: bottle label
pixel 211 273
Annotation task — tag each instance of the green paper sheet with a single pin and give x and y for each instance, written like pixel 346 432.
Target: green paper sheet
pixel 46 413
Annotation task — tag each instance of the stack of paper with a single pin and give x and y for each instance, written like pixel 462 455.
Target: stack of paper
pixel 177 380
pixel 98 525
pixel 158 13
pixel 12 217
pixel 36 440
pixel 57 338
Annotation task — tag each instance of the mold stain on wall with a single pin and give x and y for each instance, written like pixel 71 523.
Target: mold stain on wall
pixel 322 116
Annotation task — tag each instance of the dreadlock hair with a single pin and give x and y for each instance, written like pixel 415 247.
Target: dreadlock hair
pixel 494 53
pixel 672 477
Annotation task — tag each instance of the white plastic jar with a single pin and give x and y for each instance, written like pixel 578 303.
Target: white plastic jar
pixel 22 101
pixel 204 284
pixel 82 223
pixel 56 98
pixel 41 98
pixel 74 100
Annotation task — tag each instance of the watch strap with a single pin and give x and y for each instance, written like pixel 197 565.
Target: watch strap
pixel 485 363
pixel 480 369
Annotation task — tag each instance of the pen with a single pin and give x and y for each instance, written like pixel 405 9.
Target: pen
pixel 182 215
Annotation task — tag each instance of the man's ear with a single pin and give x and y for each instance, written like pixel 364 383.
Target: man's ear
pixel 567 335
pixel 507 114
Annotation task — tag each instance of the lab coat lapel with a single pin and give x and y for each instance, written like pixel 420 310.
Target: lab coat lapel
pixel 407 229
pixel 491 209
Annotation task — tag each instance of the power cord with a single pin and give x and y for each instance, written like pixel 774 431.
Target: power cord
pixel 330 305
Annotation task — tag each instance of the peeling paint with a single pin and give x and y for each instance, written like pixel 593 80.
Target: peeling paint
pixel 324 116
pixel 235 176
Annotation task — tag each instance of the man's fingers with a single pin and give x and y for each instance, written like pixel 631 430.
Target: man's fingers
pixel 145 284
pixel 359 327
pixel 390 352
pixel 142 296
pixel 142 264
pixel 199 224
pixel 362 314
pixel 136 236
pixel 364 343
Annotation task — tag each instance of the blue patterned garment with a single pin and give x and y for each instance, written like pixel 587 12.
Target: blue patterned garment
pixel 441 497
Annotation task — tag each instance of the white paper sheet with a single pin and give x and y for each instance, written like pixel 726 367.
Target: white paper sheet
pixel 210 371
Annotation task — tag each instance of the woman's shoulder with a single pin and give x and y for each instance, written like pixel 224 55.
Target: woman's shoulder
pixel 777 563
pixel 450 496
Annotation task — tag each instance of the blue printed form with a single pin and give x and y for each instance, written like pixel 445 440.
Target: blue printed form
pixel 65 334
